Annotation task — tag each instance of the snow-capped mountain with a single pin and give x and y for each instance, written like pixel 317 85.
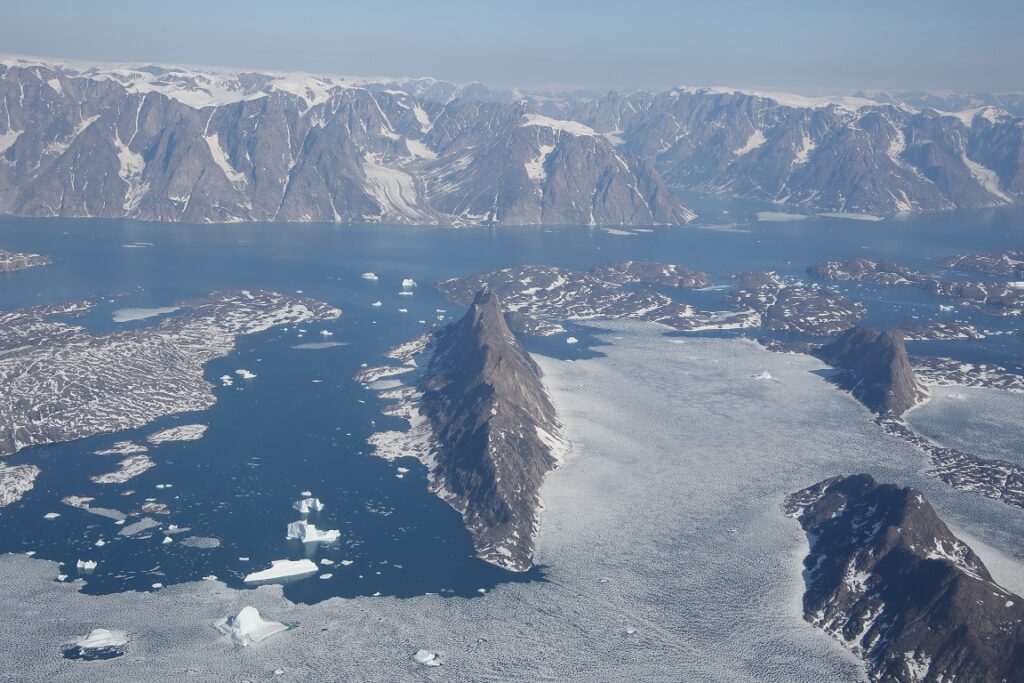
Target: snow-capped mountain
pixel 211 145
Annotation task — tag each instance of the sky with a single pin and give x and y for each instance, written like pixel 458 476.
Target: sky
pixel 797 45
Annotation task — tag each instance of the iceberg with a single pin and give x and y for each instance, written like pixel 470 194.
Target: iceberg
pixel 85 565
pixel 283 569
pixel 426 658
pixel 245 374
pixel 307 505
pixel 377 304
pixel 249 627
pixel 308 533
pixel 51 515
pixel 370 276
pixel 571 340
pixel 101 643
pixel 408 283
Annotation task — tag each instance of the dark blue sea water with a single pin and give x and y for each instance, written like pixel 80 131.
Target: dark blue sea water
pixel 302 423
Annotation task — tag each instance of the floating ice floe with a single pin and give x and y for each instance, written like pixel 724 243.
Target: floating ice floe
pixel 426 658
pixel 306 494
pixel 326 333
pixel 51 515
pixel 377 304
pixel 326 576
pixel 167 539
pixel 283 569
pixel 245 374
pixel 308 533
pixel 226 380
pixel 307 505
pixel 157 586
pixel 403 310
pixel 370 276
pixel 100 543
pixel 101 643
pixel 408 283
pixel 345 563
pixel 85 565
pixel 326 562
pixel 571 340
pixel 249 627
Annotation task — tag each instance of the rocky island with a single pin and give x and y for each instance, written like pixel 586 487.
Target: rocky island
pixel 11 261
pixel 483 424
pixel 58 382
pixel 876 369
pixel 887 578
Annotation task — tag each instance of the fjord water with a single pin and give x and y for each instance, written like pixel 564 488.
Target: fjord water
pixel 301 424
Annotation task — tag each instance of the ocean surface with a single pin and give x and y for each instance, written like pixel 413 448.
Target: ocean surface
pixel 301 423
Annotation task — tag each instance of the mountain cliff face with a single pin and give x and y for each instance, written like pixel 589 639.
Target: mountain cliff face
pixel 887 579
pixel 171 144
pixel 180 144
pixel 876 369
pixel 495 432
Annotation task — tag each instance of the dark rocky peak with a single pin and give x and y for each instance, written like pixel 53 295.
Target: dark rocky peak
pixel 876 369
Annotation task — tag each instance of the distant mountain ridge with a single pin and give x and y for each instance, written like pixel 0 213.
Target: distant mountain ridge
pixel 211 145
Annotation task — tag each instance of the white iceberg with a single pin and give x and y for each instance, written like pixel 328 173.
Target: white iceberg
pixel 245 374
pixel 377 304
pixel 571 340
pixel 283 569
pixel 307 505
pixel 408 283
pixel 370 276
pixel 249 627
pixel 326 333
pixel 308 533
pixel 85 565
pixel 426 658
pixel 51 515
pixel 101 643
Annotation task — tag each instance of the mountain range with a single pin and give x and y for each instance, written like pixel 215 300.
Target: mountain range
pixel 167 143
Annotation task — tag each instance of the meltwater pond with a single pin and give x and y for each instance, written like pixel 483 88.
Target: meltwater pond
pixel 301 423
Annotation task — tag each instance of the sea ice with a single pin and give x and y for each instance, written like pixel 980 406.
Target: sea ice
pixel 571 340
pixel 370 276
pixel 408 283
pixel 101 643
pixel 85 565
pixel 245 374
pixel 249 627
pixel 51 515
pixel 377 304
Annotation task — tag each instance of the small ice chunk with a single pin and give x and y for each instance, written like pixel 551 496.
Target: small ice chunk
pixel 326 562
pixel 403 310
pixel 249 627
pixel 326 576
pixel 51 515
pixel 571 340
pixel 167 539
pixel 408 283
pixel 426 658
pixel 245 374
pixel 377 304
pixel 85 565
pixel 306 494
pixel 157 586
pixel 100 543
pixel 370 276
pixel 326 333
pixel 307 505
pixel 345 563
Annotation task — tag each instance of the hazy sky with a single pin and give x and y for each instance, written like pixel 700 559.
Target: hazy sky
pixel 793 44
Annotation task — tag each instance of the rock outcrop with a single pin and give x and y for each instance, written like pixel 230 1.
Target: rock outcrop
pixel 876 369
pixel 887 579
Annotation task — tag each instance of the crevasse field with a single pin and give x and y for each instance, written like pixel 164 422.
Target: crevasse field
pixel 666 553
